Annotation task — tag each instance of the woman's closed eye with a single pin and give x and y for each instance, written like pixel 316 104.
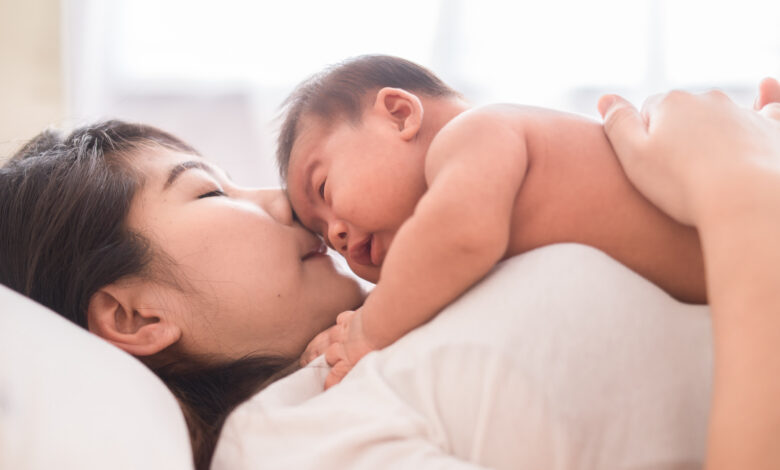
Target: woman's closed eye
pixel 214 193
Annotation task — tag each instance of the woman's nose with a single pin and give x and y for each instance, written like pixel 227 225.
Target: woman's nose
pixel 276 204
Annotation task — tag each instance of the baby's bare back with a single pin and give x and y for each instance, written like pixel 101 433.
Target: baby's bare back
pixel 575 191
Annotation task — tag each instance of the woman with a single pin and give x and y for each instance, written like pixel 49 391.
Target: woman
pixel 126 231
pixel 153 256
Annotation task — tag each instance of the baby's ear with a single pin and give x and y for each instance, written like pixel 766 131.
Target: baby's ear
pixel 403 108
pixel 121 315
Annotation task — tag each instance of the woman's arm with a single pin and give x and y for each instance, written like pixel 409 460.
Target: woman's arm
pixel 707 162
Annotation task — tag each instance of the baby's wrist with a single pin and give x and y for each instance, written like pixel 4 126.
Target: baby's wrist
pixel 373 329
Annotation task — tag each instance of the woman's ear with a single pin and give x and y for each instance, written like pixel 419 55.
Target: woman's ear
pixel 121 315
pixel 403 108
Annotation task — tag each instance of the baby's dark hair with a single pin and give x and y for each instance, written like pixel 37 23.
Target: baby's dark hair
pixel 64 202
pixel 341 92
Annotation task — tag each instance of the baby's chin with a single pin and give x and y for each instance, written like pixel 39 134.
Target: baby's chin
pixel 367 273
pixel 364 285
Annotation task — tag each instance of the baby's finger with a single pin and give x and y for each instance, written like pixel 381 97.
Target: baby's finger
pixel 307 357
pixel 344 317
pixel 335 353
pixel 336 374
pixel 316 347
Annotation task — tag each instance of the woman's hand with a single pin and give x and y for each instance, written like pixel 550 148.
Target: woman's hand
pixel 768 93
pixel 682 149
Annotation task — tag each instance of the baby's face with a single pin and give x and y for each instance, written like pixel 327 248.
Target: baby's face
pixel 355 185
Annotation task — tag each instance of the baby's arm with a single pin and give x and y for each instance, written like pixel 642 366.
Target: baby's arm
pixel 458 232
pixel 460 228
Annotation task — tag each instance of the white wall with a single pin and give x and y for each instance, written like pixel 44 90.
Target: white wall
pixel 215 72
pixel 31 96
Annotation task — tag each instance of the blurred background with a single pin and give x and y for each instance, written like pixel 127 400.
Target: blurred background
pixel 215 72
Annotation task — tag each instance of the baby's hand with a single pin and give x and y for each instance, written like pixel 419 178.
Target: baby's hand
pixel 318 345
pixel 349 344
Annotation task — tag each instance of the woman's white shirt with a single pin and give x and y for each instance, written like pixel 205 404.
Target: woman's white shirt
pixel 560 358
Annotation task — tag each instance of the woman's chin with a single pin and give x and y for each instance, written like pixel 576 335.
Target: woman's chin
pixel 343 269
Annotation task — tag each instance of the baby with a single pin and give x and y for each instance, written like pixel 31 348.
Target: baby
pixel 423 195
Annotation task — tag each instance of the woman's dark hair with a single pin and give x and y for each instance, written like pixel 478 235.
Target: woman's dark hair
pixel 64 201
pixel 208 392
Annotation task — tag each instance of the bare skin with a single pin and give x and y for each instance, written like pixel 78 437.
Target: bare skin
pixel 495 182
pixel 708 162
pixel 575 190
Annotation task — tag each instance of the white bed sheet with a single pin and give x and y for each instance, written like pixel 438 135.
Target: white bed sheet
pixel 560 359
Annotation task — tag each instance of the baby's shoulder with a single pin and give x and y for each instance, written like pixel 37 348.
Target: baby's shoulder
pixel 480 119
pixel 490 122
pixel 487 125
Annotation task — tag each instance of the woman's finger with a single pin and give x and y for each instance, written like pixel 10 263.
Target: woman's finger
pixel 768 92
pixel 650 107
pixel 771 111
pixel 624 126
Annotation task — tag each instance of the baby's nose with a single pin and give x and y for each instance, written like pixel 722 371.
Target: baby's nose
pixel 337 235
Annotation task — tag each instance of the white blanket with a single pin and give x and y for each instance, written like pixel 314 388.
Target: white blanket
pixel 560 359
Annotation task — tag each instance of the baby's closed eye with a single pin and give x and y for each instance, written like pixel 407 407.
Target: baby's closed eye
pixel 322 189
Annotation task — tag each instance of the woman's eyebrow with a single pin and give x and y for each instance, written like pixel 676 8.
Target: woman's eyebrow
pixel 180 168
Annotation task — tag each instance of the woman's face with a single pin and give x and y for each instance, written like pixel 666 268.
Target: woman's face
pixel 254 281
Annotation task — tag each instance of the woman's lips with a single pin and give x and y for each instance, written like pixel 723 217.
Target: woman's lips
pixel 318 250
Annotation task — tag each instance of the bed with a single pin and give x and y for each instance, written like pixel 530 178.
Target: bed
pixel 560 358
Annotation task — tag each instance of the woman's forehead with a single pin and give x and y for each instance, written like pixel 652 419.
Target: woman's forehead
pixel 162 166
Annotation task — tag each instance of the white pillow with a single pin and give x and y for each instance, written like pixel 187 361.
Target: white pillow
pixel 69 400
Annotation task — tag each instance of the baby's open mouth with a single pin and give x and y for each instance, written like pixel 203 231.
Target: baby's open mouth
pixel 361 252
